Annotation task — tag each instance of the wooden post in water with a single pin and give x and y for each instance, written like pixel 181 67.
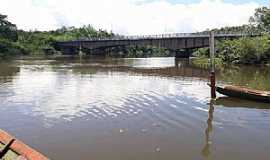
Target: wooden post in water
pixel 212 64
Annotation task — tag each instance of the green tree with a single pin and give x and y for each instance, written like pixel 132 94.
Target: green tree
pixel 7 29
pixel 261 18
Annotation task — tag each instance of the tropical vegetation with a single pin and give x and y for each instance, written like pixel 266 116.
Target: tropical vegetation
pixel 19 42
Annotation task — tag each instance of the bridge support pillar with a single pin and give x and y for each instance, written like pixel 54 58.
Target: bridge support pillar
pixel 181 62
pixel 186 53
pixel 69 50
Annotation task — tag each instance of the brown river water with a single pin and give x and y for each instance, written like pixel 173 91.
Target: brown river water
pixel 132 109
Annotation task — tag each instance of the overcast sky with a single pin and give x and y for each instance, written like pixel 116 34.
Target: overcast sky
pixel 130 16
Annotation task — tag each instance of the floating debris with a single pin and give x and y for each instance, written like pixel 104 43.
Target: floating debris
pixel 157 149
pixel 121 131
pixel 156 125
pixel 144 130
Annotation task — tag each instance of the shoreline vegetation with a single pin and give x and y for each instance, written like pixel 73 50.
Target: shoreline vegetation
pixel 246 50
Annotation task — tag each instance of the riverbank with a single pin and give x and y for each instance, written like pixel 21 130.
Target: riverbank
pixel 205 62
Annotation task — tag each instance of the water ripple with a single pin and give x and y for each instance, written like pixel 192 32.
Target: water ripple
pixel 147 105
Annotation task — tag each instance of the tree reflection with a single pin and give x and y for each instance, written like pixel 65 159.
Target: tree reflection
pixel 206 151
pixel 8 71
pixel 181 62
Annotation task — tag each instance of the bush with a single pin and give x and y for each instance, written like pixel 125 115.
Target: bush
pixel 202 52
pixel 246 50
pixel 8 48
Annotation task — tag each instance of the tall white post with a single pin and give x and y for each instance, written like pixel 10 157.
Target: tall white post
pixel 212 61
pixel 212 51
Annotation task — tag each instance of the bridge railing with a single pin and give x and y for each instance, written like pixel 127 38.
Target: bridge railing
pixel 174 35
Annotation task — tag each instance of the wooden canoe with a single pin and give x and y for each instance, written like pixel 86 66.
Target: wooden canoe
pixel 244 93
pixel 13 149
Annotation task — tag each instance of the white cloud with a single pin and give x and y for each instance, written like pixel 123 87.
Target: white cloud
pixel 126 16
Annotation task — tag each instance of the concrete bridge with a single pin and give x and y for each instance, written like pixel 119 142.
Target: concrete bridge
pixel 181 43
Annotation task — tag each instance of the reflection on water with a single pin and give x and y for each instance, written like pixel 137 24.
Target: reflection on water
pixel 240 103
pixel 250 76
pixel 7 72
pixel 130 109
pixel 206 149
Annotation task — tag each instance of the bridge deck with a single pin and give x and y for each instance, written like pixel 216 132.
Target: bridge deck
pixel 169 41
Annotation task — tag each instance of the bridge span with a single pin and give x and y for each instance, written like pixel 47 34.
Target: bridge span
pixel 182 43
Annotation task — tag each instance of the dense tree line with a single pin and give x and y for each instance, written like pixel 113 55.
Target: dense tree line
pixel 19 42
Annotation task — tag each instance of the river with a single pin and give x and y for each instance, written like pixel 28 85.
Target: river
pixel 152 109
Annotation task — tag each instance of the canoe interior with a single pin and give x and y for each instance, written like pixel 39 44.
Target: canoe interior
pixel 18 150
pixel 10 155
pixel 244 93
